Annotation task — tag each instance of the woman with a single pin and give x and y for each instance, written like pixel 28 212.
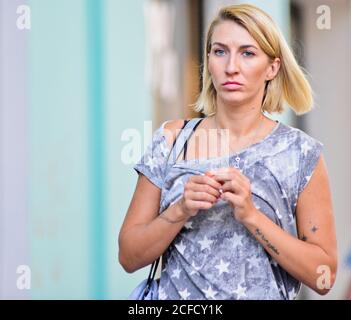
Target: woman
pixel 249 217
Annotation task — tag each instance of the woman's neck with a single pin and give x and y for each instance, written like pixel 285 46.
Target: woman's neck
pixel 240 121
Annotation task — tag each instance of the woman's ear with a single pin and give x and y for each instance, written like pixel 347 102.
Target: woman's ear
pixel 273 69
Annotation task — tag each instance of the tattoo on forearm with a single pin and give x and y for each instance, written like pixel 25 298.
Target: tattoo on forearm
pixel 269 245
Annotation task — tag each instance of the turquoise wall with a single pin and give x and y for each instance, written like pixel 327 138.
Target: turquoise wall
pixel 86 85
pixel 128 105
pixel 59 174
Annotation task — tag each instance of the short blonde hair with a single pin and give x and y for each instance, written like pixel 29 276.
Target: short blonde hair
pixel 290 84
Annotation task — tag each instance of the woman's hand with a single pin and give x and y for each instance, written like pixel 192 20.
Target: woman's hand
pixel 236 189
pixel 200 192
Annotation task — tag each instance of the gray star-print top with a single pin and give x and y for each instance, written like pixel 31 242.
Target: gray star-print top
pixel 214 256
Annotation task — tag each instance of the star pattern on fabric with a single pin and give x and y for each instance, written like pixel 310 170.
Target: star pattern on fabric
pixel 176 273
pixel 236 240
pixel 216 217
pixel 222 267
pixel 151 162
pixel 210 293
pixel 240 292
pixel 189 225
pixel 195 269
pixel 162 294
pixel 254 261
pixel 184 294
pixel 181 247
pixel 205 243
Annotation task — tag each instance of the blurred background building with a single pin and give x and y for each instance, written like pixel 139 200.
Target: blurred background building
pixel 74 75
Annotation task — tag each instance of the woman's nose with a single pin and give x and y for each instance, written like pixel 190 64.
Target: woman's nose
pixel 232 64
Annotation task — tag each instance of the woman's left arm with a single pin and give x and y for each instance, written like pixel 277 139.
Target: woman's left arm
pixel 311 258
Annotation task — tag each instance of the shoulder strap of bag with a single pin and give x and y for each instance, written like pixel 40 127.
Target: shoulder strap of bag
pixel 151 276
pixel 180 142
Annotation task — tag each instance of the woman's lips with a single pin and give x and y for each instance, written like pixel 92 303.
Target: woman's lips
pixel 232 85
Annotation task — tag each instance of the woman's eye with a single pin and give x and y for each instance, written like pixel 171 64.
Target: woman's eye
pixel 248 54
pixel 219 52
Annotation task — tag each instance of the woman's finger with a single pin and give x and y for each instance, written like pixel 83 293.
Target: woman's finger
pixel 194 206
pixel 228 176
pixel 235 186
pixel 201 196
pixel 204 188
pixel 232 198
pixel 205 180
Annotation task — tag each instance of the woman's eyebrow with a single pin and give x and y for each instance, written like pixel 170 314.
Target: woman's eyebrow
pixel 244 46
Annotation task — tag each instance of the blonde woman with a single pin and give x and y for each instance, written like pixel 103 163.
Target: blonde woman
pixel 249 217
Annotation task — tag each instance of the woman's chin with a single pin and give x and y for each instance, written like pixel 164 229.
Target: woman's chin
pixel 233 97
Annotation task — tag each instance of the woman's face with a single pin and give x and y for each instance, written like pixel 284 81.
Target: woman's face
pixel 238 66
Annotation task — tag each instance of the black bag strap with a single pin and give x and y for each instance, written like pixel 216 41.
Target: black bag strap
pixel 175 140
pixel 188 124
pixel 151 276
pixel 186 141
pixel 180 142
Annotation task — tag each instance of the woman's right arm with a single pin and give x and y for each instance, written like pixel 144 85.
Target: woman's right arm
pixel 145 234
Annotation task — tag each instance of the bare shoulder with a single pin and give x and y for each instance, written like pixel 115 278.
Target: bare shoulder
pixel 171 130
